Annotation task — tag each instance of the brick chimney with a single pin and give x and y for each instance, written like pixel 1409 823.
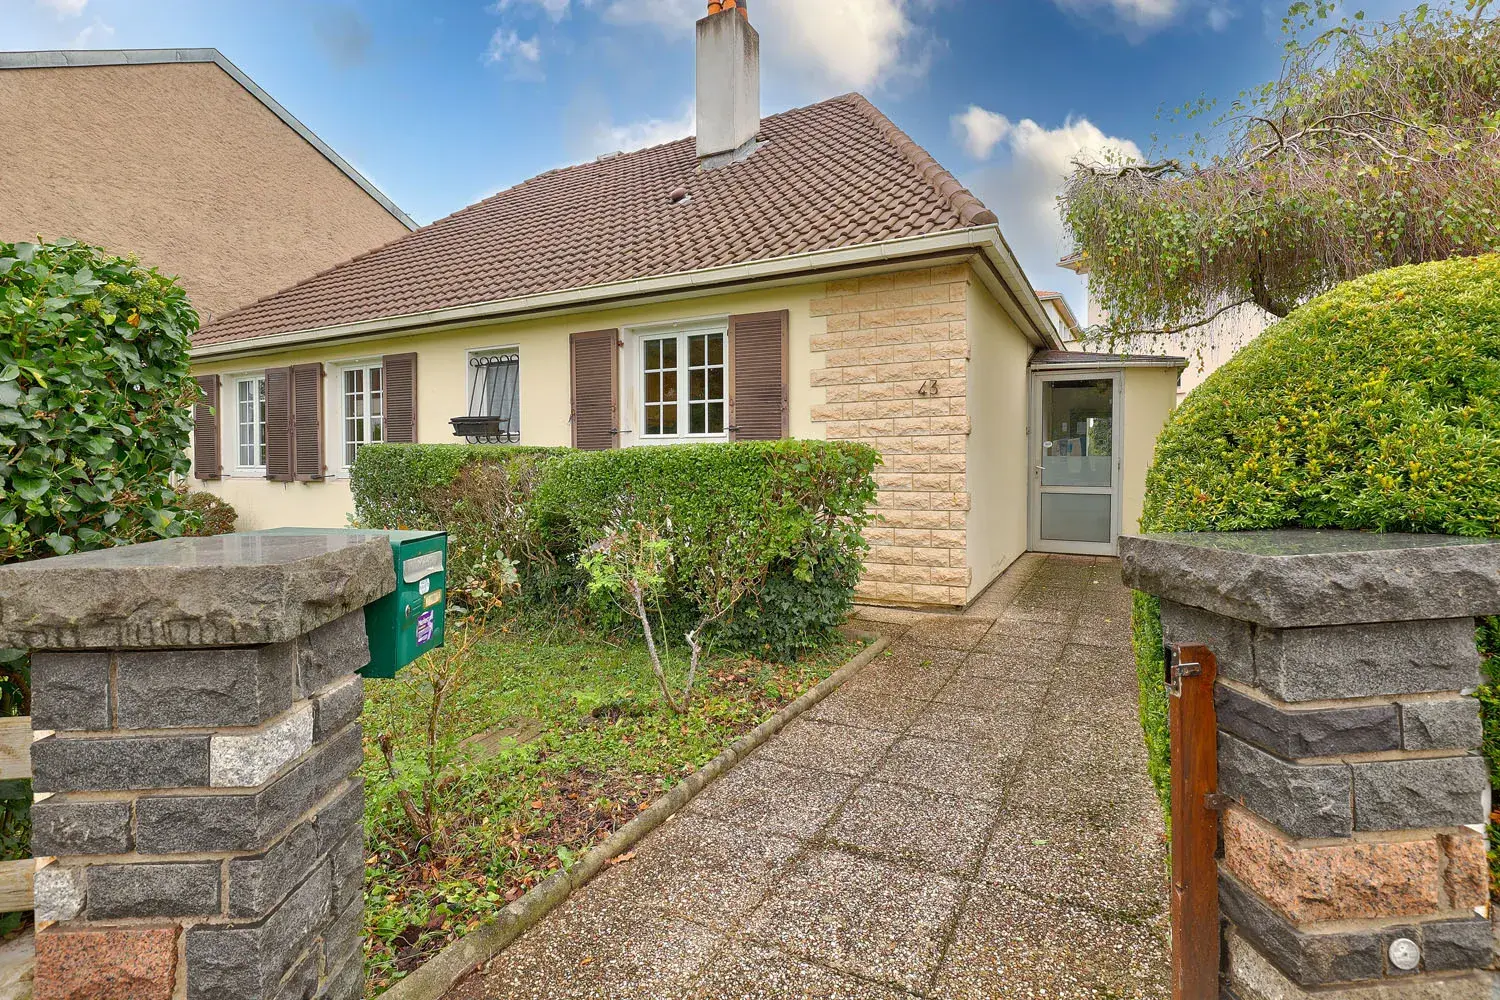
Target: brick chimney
pixel 728 84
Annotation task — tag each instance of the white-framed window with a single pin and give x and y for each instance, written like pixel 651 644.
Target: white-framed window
pixel 250 422
pixel 681 384
pixel 362 408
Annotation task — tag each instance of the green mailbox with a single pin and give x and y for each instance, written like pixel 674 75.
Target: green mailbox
pixel 407 622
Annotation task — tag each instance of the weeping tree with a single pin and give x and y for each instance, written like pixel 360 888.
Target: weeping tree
pixel 1378 145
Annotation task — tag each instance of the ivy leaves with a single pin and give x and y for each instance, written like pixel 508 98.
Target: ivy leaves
pixel 95 399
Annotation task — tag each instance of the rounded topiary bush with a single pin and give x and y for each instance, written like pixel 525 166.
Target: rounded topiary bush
pixel 1375 406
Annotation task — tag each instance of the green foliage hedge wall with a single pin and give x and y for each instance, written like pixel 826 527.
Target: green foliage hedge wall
pixel 1374 407
pixel 801 505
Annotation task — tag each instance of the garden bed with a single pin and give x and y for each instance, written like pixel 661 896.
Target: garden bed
pixel 549 741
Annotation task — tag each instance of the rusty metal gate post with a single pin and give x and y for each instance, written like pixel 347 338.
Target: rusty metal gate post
pixel 1191 673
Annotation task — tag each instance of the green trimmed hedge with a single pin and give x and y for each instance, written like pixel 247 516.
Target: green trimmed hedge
pixel 804 504
pixel 1375 407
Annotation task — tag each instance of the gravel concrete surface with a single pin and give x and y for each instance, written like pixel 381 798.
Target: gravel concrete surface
pixel 968 818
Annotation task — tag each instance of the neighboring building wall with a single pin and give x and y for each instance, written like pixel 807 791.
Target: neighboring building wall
pixel 442 390
pixel 894 367
pixel 997 454
pixel 1150 396
pixel 182 166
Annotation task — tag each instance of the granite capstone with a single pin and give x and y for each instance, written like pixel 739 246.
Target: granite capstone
pixel 227 590
pixel 1292 578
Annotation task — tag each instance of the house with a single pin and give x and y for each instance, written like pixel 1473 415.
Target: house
pixel 1206 348
pixel 178 157
pixel 1069 333
pixel 812 274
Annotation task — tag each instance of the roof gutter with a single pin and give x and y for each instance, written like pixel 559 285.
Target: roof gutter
pixel 1144 361
pixel 1002 275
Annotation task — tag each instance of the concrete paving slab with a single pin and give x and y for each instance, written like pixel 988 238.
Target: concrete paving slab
pixel 960 769
pixel 1005 728
pixel 909 671
pixel 986 692
pixel 827 746
pixel 876 920
pixel 762 794
pixel 914 827
pixel 1118 872
pixel 885 712
pixel 745 971
pixel 948 632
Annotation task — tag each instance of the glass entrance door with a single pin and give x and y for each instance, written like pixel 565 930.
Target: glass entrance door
pixel 1075 443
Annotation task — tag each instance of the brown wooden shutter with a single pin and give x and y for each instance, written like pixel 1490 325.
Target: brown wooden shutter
pixel 279 424
pixel 206 438
pixel 398 386
pixel 307 422
pixel 596 390
pixel 758 353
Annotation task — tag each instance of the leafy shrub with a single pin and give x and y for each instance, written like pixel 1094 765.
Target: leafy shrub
pixel 95 399
pixel 799 508
pixel 212 515
pixel 803 505
pixel 1375 406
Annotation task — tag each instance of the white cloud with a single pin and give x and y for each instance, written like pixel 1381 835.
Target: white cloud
pixel 1141 15
pixel 1022 190
pixel 842 44
pixel 1220 15
pixel 65 8
pixel 95 36
pixel 608 137
pixel 521 54
pixel 980 130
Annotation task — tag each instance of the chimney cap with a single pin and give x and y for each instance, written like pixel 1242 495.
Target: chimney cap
pixel 722 6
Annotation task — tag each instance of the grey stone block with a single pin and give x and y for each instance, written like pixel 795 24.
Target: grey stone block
pixel 302 982
pixel 344 812
pixel 338 758
pixel 348 865
pixel 1306 959
pixel 189 824
pixel 331 653
pixel 1230 640
pixel 258 884
pixel 1419 794
pixel 1358 661
pixel 245 760
pixel 59 893
pixel 104 764
pixel 153 890
pixel 1312 733
pixel 226 962
pixel 1451 945
pixel 343 938
pixel 338 707
pixel 1304 800
pixel 229 590
pixel 346 982
pixel 203 687
pixel 1298 578
pixel 60 828
pixel 70 691
pixel 1451 724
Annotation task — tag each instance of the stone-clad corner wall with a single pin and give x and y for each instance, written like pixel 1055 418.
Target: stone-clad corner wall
pixel 895 367
pixel 1353 861
pixel 199 813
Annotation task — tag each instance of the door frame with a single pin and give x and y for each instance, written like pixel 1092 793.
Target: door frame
pixel 1034 441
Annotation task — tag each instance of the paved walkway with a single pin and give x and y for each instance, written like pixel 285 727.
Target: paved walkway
pixel 969 818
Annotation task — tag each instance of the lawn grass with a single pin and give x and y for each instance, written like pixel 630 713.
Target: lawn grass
pixel 574 740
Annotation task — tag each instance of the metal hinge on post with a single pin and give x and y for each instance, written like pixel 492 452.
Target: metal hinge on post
pixel 1176 669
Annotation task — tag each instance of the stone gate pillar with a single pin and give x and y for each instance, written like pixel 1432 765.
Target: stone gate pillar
pixel 197 705
pixel 1353 863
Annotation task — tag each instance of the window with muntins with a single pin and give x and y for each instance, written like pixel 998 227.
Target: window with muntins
pixel 250 403
pixel 363 410
pixel 683 385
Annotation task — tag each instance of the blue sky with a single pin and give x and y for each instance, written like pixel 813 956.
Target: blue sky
pixel 442 102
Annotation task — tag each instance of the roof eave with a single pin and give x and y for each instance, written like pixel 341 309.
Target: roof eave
pixel 1003 277
pixel 57 58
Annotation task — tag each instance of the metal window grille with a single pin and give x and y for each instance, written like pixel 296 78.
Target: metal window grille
pixel 494 415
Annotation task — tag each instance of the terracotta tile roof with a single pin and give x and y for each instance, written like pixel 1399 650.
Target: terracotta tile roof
pixel 832 175
pixel 1044 295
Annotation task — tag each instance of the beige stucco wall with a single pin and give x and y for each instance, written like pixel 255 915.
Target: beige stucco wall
pixel 1150 397
pixel 997 461
pixel 442 389
pixel 181 165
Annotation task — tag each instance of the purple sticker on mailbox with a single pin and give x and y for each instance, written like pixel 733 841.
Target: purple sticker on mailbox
pixel 424 627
